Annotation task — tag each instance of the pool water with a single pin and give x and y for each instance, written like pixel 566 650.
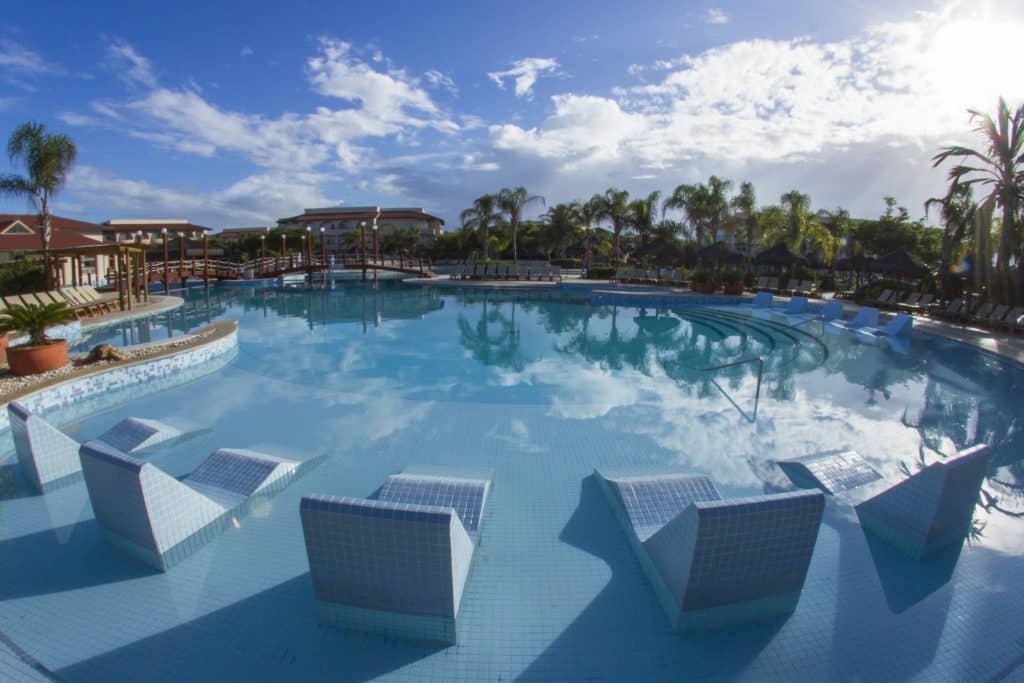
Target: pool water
pixel 542 388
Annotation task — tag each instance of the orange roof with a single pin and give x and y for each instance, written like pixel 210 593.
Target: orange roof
pixel 67 233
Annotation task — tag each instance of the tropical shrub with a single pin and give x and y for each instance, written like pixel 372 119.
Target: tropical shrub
pixel 22 276
pixel 601 272
pixel 730 277
pixel 34 320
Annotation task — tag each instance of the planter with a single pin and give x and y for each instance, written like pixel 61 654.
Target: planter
pixel 32 360
pixel 706 288
pixel 734 289
pixel 3 347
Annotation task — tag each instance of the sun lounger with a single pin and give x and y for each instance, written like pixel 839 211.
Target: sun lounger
pixel 396 564
pixel 882 298
pixel 866 317
pixel 994 317
pixel 982 312
pixel 161 520
pixel 762 283
pixel 773 284
pixel 109 301
pixel 49 457
pixel 761 300
pixel 900 326
pixel 929 510
pixel 459 272
pixel 713 562
pixel 921 304
pixel 797 305
pixel 556 273
pixel 1013 320
pixel 953 310
pixel 911 301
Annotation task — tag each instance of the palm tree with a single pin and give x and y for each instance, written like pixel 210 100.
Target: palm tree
pixel 797 206
pixel 705 206
pixel 481 216
pixel 587 211
pixel 47 159
pixel 1001 166
pixel 957 209
pixel 642 213
pixel 613 206
pixel 560 229
pixel 511 201
pixel 744 205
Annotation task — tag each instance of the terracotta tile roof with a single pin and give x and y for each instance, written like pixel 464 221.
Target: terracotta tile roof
pixel 154 227
pixel 367 215
pixel 67 232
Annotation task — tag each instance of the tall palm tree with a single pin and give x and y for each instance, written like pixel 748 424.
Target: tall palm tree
pixel 613 206
pixel 587 211
pixel 47 159
pixel 511 201
pixel 481 216
pixel 705 206
pixel 561 228
pixel 957 209
pixel 999 165
pixel 797 206
pixel 642 214
pixel 744 205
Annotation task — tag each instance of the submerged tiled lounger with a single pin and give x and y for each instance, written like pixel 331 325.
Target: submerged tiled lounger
pixel 162 520
pixel 397 564
pixel 714 562
pixel 921 514
pixel 49 457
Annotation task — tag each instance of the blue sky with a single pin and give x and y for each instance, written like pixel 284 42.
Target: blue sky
pixel 241 114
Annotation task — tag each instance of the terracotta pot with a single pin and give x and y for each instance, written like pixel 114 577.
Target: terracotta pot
pixel 707 288
pixel 734 289
pixel 3 347
pixel 31 360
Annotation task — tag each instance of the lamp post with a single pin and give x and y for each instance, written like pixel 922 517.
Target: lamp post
pixel 206 261
pixel 323 249
pixel 181 258
pixel 263 254
pixel 376 254
pixel 284 246
pixel 163 233
pixel 309 253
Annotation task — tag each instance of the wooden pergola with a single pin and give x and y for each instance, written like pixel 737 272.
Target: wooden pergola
pixel 127 268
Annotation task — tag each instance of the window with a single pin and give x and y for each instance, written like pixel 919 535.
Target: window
pixel 17 228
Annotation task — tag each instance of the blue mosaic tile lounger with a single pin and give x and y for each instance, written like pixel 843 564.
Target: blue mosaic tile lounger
pixel 162 520
pixel 715 562
pixel 921 514
pixel 396 564
pixel 49 457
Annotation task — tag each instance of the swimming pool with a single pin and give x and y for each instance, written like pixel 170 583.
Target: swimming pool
pixel 542 388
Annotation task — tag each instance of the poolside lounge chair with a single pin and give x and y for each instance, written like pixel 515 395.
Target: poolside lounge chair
pixel 459 272
pixel 882 298
pixel 714 562
pixel 1014 320
pixel 397 564
pixel 866 317
pixel 161 520
pixel 797 305
pixel 910 302
pixel 108 301
pixel 773 284
pixel 556 273
pixel 927 511
pixel 953 310
pixel 49 457
pixel 761 300
pixel 921 305
pixel 762 283
pixel 900 326
pixel 980 313
pixel 994 317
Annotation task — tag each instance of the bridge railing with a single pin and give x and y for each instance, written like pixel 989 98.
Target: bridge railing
pixel 271 266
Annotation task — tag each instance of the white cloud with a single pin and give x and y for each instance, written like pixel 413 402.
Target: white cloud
pixel 716 15
pixel 256 199
pixel 246 52
pixel 16 59
pixel 132 67
pixel 525 72
pixel 438 79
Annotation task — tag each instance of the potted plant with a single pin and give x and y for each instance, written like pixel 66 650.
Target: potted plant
pixel 704 282
pixel 3 345
pixel 733 281
pixel 38 354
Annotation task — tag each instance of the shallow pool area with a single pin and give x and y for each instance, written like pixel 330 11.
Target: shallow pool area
pixel 541 388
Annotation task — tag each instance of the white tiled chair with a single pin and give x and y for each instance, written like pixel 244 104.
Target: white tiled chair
pixel 395 565
pixel 924 513
pixel 715 563
pixel 161 520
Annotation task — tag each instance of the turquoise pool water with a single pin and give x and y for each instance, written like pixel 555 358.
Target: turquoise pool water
pixel 542 388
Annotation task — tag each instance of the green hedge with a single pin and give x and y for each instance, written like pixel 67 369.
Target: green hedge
pixel 601 272
pixel 21 277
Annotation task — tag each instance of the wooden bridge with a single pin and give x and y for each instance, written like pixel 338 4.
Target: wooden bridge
pixel 177 270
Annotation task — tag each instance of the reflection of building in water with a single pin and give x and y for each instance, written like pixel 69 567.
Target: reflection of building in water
pixel 367 305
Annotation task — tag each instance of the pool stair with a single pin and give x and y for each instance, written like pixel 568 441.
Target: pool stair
pixel 49 457
pixel 926 512
pixel 161 520
pixel 396 564
pixel 715 563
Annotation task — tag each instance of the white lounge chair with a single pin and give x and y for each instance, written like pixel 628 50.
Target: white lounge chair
pixel 900 326
pixel 49 457
pixel 929 510
pixel 713 562
pixel 866 317
pixel 761 300
pixel 397 564
pixel 161 520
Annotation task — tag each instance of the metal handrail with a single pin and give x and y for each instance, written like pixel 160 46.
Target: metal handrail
pixel 757 394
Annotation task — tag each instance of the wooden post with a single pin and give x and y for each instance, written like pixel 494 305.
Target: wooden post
pixel 181 259
pixel 362 229
pixel 117 278
pixel 145 276
pixel 167 287
pixel 206 260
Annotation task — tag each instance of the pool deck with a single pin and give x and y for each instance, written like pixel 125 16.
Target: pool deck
pixel 1000 343
pixel 158 303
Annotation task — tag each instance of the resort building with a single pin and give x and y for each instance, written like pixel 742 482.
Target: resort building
pixel 149 230
pixel 337 221
pixel 21 236
pixel 231 234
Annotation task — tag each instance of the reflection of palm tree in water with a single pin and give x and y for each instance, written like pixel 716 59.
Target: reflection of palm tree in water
pixel 502 349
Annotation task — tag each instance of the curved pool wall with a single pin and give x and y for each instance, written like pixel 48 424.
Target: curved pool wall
pixel 543 388
pixel 76 398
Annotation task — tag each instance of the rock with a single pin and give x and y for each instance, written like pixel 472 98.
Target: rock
pixel 105 352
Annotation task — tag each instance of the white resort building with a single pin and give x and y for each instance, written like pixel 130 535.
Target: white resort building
pixel 337 221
